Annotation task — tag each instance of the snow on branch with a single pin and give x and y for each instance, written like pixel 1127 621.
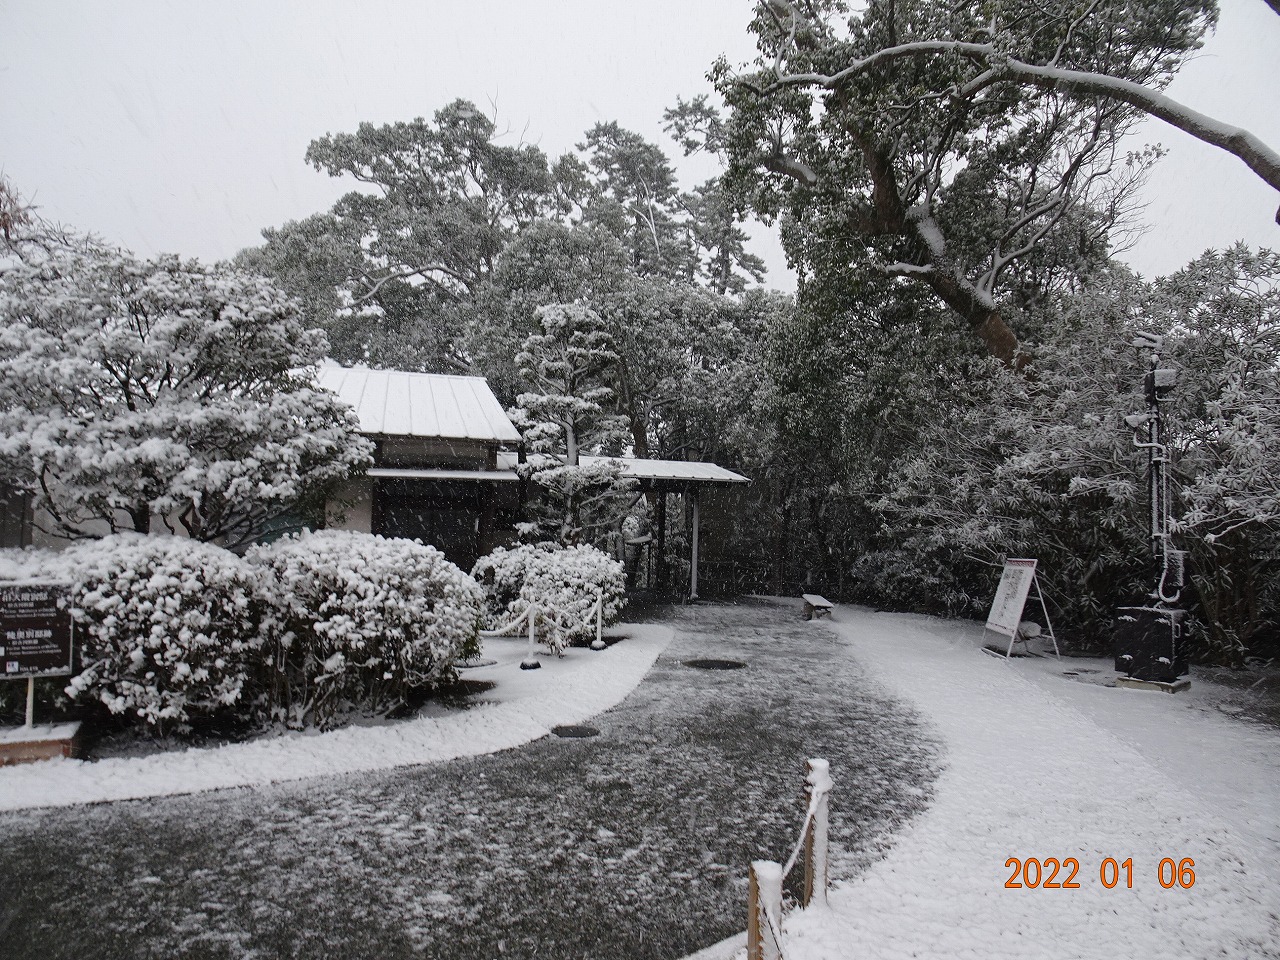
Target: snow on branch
pixel 1257 155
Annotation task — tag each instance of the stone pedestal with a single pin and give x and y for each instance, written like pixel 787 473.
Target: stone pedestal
pixel 41 742
pixel 1177 686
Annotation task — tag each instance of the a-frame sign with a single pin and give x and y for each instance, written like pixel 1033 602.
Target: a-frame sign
pixel 1011 596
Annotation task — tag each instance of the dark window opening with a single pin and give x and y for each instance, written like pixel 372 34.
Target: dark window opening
pixel 463 520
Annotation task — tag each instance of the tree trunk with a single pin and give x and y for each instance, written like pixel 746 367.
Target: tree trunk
pixel 141 517
pixel 985 320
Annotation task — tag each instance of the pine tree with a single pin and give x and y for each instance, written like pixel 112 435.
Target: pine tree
pixel 567 416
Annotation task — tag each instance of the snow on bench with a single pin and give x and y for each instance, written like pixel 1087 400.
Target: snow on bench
pixel 816 606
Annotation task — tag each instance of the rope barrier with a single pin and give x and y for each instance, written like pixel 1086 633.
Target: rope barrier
pixel 595 613
pixel 507 628
pixel 815 798
pixel 766 877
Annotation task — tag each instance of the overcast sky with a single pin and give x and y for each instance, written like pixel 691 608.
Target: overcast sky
pixel 170 126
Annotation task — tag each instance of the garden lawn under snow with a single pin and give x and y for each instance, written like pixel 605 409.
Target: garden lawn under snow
pixel 1042 765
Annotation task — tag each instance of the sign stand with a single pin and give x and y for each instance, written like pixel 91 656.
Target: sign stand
pixel 1011 597
pixel 36 639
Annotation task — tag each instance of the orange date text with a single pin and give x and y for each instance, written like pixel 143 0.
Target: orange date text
pixel 1051 873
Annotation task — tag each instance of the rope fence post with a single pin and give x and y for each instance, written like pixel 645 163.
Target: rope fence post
pixel 530 662
pixel 598 643
pixel 764 910
pixel 817 874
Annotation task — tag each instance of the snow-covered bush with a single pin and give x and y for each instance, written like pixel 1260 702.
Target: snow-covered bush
pixel 167 628
pixel 361 620
pixel 562 582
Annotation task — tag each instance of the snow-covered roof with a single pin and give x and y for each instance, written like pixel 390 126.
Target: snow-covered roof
pixel 396 403
pixel 673 470
pixel 691 470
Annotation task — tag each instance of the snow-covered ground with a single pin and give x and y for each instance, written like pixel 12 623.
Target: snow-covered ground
pixel 1040 759
pixel 1043 765
pixel 523 706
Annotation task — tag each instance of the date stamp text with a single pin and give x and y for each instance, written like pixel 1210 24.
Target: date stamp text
pixel 1050 873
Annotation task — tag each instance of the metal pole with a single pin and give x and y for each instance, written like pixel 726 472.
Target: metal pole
pixel 660 564
pixel 1047 622
pixel 693 559
pixel 31 702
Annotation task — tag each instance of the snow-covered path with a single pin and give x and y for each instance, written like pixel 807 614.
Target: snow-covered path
pixel 634 843
pixel 1041 766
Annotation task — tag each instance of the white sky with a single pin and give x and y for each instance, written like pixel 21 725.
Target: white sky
pixel 182 126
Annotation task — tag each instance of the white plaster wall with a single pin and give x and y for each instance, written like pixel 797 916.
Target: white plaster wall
pixel 352 508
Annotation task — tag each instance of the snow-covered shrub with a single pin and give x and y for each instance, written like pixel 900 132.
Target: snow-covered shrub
pixel 167 628
pixel 361 620
pixel 562 582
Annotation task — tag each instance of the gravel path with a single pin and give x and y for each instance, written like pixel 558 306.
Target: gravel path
pixel 630 844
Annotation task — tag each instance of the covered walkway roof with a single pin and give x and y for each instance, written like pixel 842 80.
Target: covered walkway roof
pixel 668 474
pixel 673 471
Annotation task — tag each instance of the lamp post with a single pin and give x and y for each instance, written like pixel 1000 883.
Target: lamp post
pixel 1148 637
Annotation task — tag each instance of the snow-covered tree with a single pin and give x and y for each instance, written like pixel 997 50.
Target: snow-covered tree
pixel 564 417
pixel 1115 52
pixel 388 267
pixel 561 582
pixel 903 139
pixel 138 389
pixel 1223 316
pixel 15 213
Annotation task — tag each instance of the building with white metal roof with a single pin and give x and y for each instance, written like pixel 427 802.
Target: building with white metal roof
pixel 435 476
pixel 445 464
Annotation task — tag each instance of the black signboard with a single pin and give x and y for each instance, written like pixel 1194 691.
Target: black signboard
pixel 35 630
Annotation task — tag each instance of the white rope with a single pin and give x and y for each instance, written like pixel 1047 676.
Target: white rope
pixel 596 610
pixel 814 797
pixel 507 628
pixel 775 933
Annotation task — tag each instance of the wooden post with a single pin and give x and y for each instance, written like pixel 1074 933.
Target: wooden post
pixel 817 874
pixel 764 896
pixel 31 702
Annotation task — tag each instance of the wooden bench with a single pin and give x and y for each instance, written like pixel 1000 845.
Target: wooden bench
pixel 816 606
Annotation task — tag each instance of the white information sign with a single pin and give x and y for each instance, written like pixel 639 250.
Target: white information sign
pixel 1011 596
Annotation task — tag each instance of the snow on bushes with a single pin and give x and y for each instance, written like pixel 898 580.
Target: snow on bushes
pixel 561 581
pixel 361 619
pixel 167 627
